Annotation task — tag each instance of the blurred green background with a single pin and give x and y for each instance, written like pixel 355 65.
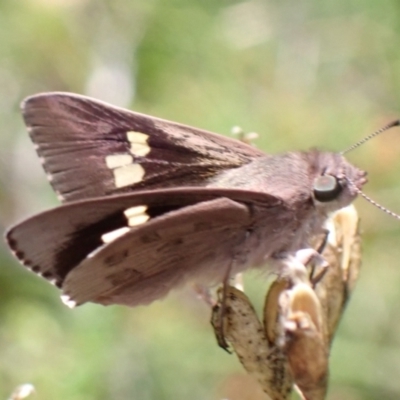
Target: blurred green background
pixel 301 74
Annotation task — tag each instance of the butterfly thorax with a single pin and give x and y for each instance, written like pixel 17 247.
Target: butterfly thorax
pixel 291 178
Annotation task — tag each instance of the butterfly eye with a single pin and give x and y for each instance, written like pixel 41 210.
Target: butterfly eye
pixel 326 188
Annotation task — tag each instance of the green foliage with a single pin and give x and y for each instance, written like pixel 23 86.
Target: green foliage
pixel 301 74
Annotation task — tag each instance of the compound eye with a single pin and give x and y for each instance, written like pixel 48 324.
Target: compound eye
pixel 326 188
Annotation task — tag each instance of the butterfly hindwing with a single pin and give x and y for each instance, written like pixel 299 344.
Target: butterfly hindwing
pixel 56 241
pixel 176 248
pixel 91 149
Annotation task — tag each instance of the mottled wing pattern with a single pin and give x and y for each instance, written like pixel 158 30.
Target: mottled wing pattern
pixel 91 149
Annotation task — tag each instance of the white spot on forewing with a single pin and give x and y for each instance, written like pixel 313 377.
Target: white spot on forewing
pixel 118 160
pixel 139 145
pixel 128 175
pixel 137 210
pixel 138 219
pixel 139 149
pixel 137 137
pixel 111 236
pixel 68 301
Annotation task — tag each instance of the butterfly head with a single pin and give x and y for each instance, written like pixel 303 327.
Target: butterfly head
pixel 336 182
pixel 343 187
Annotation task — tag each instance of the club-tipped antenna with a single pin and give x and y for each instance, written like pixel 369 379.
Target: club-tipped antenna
pixel 379 131
pixel 373 202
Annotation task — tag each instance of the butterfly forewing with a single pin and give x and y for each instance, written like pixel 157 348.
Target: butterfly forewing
pixel 91 149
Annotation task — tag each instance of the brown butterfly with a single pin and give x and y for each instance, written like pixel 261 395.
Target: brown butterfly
pixel 149 205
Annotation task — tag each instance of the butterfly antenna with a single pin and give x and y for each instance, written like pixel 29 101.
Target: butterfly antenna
pixel 379 131
pixel 373 202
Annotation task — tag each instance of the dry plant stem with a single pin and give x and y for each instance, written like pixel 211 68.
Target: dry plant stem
pixel 300 320
pixel 246 334
pixel 303 340
pixel 343 253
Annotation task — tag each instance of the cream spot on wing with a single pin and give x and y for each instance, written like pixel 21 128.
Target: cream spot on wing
pixel 111 236
pixel 139 144
pixel 133 211
pixel 68 301
pixel 139 149
pixel 137 137
pixel 138 219
pixel 118 160
pixel 136 215
pixel 128 175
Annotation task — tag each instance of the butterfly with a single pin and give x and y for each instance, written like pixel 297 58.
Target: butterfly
pixel 149 205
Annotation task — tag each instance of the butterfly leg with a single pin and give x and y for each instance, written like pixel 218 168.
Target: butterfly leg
pixel 324 241
pixel 220 310
pixel 204 293
pixel 317 260
pixel 315 276
pixel 307 256
pixel 294 266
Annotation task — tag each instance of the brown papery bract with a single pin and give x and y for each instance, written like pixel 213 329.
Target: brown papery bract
pixel 291 348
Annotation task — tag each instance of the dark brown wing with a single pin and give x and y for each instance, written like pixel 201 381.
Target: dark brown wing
pixel 54 242
pixel 196 243
pixel 91 149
